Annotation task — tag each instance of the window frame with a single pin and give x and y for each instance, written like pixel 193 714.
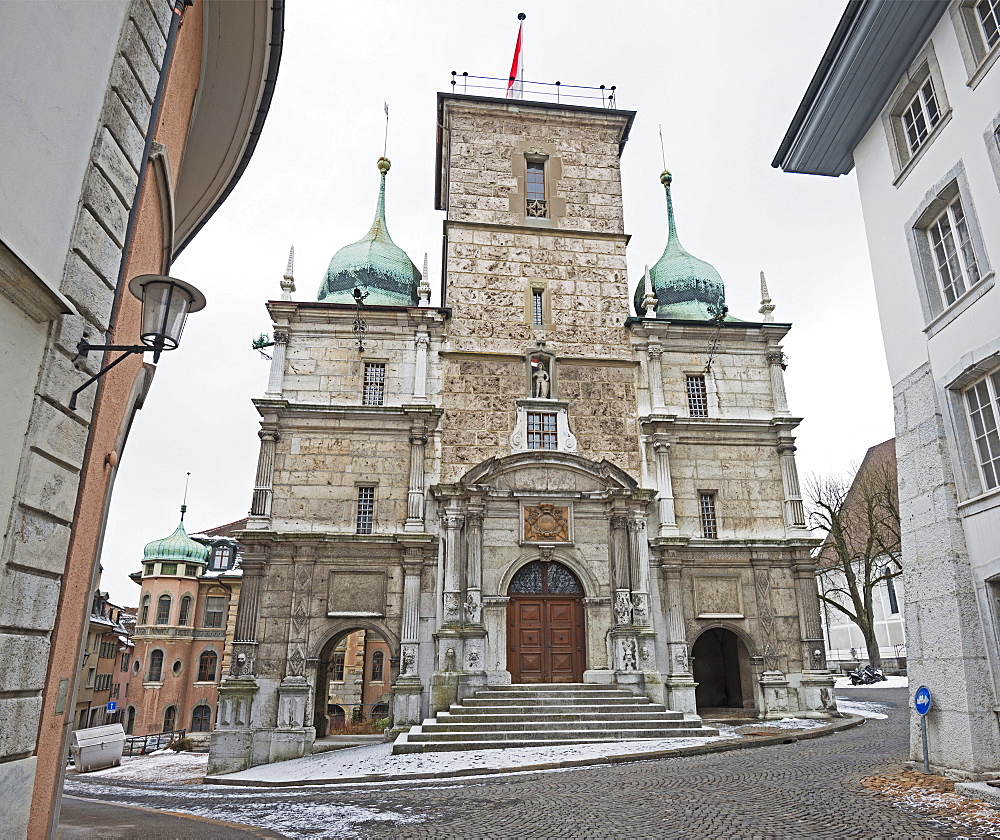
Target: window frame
pixel 968 275
pixel 209 601
pixel 973 40
pixel 373 390
pixel 991 466
pixel 162 618
pixel 206 674
pixel 708 514
pixel 144 609
pixel 547 431
pixel 184 612
pixel 155 671
pixel 170 713
pixel 338 665
pixel 378 667
pixel 535 187
pixel 201 722
pixel 691 397
pixel 364 509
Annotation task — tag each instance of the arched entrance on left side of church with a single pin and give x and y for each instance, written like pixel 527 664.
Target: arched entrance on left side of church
pixel 723 671
pixel 353 681
pixel 546 636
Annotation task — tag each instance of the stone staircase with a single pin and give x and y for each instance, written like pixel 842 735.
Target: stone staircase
pixel 506 716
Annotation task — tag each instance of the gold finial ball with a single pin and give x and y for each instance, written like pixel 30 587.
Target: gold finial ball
pixel 666 178
pixel 383 165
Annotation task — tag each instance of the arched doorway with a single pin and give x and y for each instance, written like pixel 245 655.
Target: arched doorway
pixel 353 675
pixel 545 632
pixel 722 670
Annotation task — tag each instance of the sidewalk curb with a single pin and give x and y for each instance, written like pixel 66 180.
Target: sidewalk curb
pixel 701 749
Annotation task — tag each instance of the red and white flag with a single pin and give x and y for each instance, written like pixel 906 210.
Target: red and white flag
pixel 515 81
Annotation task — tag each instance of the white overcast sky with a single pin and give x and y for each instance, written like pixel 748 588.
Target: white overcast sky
pixel 723 79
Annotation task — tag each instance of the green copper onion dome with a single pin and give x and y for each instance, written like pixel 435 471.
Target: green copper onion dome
pixel 178 547
pixel 686 288
pixel 375 264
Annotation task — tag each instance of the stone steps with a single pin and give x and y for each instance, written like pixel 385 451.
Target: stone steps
pixel 505 717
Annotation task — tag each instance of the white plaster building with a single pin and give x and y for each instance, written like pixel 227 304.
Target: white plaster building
pixel 529 483
pixel 908 93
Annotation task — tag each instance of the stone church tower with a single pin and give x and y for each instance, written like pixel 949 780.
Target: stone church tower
pixel 528 483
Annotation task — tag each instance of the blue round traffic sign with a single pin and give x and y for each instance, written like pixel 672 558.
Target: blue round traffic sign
pixel 922 700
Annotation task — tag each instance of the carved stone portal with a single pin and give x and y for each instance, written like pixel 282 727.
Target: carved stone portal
pixel 546 523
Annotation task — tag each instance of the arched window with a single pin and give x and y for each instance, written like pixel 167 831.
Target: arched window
pixel 206 666
pixel 184 618
pixel 170 719
pixel 144 614
pixel 378 662
pixel 156 666
pixel 163 609
pixel 130 720
pixel 201 719
pixel 380 711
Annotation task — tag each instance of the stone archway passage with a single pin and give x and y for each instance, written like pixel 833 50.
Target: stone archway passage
pixel 545 632
pixel 721 666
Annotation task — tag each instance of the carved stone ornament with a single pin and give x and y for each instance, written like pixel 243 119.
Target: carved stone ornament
pixel 450 659
pixel 473 608
pixel 640 608
pixel 628 654
pixel 682 660
pixel 623 608
pixel 546 523
pixel 645 653
pixel 296 663
pixel 407 661
pixel 540 381
pixel 451 608
pixel 242 661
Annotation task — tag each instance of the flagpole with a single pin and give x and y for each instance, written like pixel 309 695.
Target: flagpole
pixel 521 16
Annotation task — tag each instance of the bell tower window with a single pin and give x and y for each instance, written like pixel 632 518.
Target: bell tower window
pixel 542 433
pixel 537 311
pixel 374 385
pixel 535 189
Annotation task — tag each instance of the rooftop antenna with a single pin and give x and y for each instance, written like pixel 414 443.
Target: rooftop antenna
pixel 663 155
pixel 385 145
pixel 184 505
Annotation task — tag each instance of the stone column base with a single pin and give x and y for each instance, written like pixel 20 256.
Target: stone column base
pixel 407 702
pixel 634 681
pixel 816 694
pixel 444 691
pixel 679 693
pixel 230 751
pixel 774 686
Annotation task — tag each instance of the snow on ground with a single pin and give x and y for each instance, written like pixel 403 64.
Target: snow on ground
pixel 163 765
pixel 876 711
pixel 888 682
pixel 784 723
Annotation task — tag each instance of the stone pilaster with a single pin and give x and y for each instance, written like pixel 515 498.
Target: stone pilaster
pixel 664 484
pixel 474 567
pixel 776 364
pixel 452 605
pixel 415 494
pixel 639 570
pixel 276 377
pixel 816 693
pixel 654 352
pixel 421 343
pixel 621 583
pixel 795 515
pixel 260 507
pixel 678 681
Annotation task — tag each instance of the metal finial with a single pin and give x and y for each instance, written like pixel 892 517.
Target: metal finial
pixel 184 507
pixel 766 307
pixel 663 155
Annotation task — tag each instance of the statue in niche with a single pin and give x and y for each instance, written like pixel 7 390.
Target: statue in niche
pixel 540 379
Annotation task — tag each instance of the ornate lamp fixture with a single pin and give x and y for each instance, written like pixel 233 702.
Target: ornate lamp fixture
pixel 166 303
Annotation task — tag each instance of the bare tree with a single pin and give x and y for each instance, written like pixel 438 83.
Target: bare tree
pixel 860 522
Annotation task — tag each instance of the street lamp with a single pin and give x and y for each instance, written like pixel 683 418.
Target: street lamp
pixel 166 303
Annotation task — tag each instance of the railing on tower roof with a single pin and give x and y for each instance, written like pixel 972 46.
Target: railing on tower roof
pixel 536 91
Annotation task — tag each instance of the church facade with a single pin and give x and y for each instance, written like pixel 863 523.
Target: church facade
pixel 543 479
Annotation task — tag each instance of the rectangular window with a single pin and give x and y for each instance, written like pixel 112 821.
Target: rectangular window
pixel 149 569
pixel 366 510
pixel 697 396
pixel 126 661
pixel 542 430
pixel 191 571
pixel 984 408
pixel 706 507
pixel 535 189
pixel 90 677
pixel 988 14
pixel 920 116
pixel 168 568
pixel 954 257
pixel 537 313
pixel 374 392
pixel 337 667
pixel 215 611
pixel 893 601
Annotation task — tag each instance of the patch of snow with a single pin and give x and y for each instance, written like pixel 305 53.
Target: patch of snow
pixel 160 766
pixel 888 682
pixel 787 723
pixel 875 711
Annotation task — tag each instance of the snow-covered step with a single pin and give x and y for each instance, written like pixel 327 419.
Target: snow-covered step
pixel 505 717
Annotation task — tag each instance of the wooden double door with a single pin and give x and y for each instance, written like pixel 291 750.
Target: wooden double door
pixel 545 629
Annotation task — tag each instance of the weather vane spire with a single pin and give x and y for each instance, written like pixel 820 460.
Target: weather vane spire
pixel 184 506
pixel 385 145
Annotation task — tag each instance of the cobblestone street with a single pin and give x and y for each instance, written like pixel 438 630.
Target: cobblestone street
pixel 809 789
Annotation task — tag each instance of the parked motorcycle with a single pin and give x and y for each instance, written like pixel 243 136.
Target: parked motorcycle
pixel 866 675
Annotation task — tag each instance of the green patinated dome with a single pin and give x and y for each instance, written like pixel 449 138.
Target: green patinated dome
pixel 685 287
pixel 178 547
pixel 375 264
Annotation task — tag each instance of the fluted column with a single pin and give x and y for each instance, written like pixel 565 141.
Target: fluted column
pixel 452 568
pixel 276 378
pixel 654 352
pixel 415 495
pixel 618 546
pixel 776 362
pixel 639 567
pixel 795 516
pixel 260 507
pixel 810 624
pixel 676 634
pixel 410 639
pixel 243 658
pixel 422 342
pixel 474 567
pixel 665 496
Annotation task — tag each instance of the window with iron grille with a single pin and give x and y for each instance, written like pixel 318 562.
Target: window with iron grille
pixel 366 510
pixel 954 256
pixel 215 611
pixel 535 189
pixel 542 430
pixel 983 402
pixel 537 312
pixel 697 396
pixel 337 666
pixel 374 391
pixel 920 116
pixel 206 666
pixel 988 14
pixel 709 525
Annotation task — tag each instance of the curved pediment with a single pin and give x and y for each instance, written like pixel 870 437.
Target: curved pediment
pixel 548 472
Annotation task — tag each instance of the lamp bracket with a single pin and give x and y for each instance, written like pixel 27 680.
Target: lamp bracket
pixel 84 347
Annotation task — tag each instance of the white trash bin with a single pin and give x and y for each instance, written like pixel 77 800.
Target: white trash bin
pixel 97 747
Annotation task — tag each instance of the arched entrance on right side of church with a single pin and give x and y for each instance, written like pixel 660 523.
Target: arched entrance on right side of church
pixel 352 681
pixel 724 673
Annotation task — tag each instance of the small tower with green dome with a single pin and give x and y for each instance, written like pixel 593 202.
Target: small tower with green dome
pixel 178 548
pixel 374 264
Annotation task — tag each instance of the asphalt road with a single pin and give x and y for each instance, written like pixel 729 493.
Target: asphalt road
pixel 808 789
